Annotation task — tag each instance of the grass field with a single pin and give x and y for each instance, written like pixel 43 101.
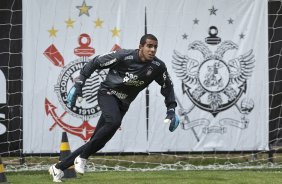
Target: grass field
pixel 103 169
pixel 157 177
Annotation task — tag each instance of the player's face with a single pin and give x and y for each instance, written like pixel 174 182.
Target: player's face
pixel 148 51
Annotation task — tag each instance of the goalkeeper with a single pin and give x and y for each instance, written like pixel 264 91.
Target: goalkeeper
pixel 130 71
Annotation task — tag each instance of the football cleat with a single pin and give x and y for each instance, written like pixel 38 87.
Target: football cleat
pixel 80 164
pixel 57 174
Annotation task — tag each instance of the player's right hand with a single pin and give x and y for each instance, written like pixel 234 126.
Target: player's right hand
pixel 75 93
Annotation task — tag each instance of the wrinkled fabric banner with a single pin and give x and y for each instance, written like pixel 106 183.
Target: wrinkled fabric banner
pixel 216 57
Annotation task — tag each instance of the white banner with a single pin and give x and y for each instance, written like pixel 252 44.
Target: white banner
pixel 216 56
pixel 59 37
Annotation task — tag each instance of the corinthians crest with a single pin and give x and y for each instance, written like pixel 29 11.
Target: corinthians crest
pixel 84 110
pixel 214 84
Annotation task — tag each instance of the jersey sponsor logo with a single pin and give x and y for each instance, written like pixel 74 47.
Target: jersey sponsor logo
pixel 130 57
pixel 156 63
pixel 108 62
pixel 149 71
pixel 167 79
pixel 114 51
pixel 131 79
pixel 164 77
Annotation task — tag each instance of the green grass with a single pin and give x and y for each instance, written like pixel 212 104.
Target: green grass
pixel 267 176
pixel 243 176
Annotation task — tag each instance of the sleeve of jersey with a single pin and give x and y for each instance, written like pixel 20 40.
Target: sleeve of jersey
pixel 167 89
pixel 100 62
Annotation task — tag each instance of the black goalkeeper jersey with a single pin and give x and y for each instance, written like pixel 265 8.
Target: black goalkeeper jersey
pixel 128 75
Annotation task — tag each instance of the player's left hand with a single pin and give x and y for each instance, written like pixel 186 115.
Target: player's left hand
pixel 75 93
pixel 172 119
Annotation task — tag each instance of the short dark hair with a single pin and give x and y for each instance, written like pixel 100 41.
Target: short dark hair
pixel 145 37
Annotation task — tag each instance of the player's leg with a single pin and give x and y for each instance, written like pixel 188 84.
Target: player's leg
pixel 112 113
pixel 79 162
pixel 56 170
pixel 69 160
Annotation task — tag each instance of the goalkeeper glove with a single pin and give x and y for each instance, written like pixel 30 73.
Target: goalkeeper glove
pixel 172 119
pixel 75 92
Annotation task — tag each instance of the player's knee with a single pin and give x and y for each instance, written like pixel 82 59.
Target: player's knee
pixel 114 122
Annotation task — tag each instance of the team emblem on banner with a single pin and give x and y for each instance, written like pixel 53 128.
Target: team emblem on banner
pixel 214 84
pixel 89 107
pixel 86 110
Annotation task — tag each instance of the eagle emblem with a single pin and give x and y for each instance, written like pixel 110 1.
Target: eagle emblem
pixel 214 83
